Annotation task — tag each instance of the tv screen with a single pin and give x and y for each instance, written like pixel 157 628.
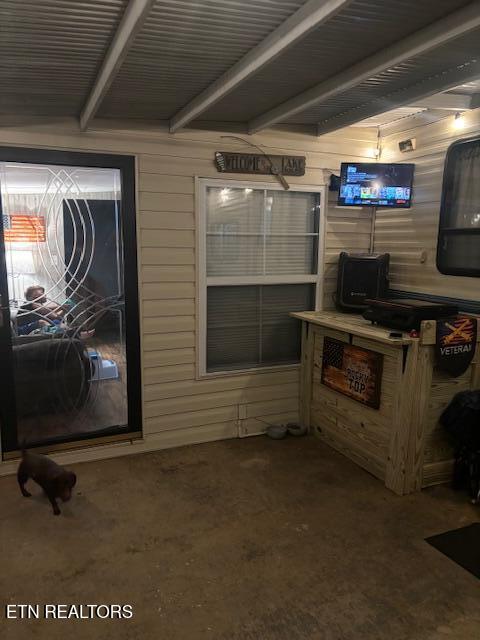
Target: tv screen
pixel 375 184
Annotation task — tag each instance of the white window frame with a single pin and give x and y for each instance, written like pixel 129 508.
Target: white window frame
pixel 201 185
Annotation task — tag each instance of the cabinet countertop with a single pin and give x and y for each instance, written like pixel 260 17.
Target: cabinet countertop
pixel 354 324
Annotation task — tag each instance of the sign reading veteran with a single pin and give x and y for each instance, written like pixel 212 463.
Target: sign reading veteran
pixel 227 162
pixel 455 347
pixel 353 371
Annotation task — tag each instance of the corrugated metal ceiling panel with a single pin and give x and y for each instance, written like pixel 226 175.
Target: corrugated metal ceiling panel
pixel 50 52
pixel 468 88
pixel 183 47
pixel 410 72
pixel 390 116
pixel 361 29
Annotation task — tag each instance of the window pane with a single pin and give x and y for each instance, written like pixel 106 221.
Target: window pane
pixel 458 251
pixel 233 325
pixel 288 215
pixel 463 199
pixel 290 255
pixel 257 232
pixel 291 212
pixel 234 211
pixel 250 326
pixel 234 255
pixel 281 333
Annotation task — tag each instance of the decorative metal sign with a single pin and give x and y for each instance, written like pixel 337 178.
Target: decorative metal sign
pixel 355 372
pixel 227 162
pixel 455 346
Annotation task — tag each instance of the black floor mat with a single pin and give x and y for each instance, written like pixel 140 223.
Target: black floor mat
pixel 461 545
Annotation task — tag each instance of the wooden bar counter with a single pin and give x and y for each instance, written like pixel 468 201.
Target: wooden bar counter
pixel 401 441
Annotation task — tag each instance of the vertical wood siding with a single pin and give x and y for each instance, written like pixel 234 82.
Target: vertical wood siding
pixel 177 407
pixel 348 229
pixel 408 233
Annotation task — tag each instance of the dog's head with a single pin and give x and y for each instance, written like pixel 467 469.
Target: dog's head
pixel 65 484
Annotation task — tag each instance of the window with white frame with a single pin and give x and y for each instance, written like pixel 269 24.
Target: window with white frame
pixel 259 260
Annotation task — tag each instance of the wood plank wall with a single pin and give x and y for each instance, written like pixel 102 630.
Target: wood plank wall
pixel 407 233
pixel 179 409
pixel 348 229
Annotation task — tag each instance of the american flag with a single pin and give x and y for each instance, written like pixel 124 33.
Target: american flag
pixel 23 228
pixel 333 353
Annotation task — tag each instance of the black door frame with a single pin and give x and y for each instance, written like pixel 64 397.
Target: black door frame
pixel 126 165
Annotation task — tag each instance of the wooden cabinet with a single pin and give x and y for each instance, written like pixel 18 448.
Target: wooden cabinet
pixel 401 442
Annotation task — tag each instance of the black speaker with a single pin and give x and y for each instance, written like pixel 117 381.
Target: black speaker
pixel 361 276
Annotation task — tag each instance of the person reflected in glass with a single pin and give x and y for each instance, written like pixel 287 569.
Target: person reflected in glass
pixel 39 313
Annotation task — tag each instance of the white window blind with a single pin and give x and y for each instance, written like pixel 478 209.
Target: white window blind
pixel 261 232
pixel 249 326
pixel 261 263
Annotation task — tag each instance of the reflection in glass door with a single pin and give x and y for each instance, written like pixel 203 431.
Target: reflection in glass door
pixel 66 335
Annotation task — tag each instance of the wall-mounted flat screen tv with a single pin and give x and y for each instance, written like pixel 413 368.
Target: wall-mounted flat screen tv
pixel 375 184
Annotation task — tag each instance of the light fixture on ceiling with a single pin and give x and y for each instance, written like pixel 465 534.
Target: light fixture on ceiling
pixel 458 122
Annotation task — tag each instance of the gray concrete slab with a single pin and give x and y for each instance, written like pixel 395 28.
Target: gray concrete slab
pixel 239 540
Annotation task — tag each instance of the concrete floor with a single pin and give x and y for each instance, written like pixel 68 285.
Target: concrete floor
pixel 239 540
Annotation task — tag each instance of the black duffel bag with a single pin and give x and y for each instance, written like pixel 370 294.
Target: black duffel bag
pixel 461 420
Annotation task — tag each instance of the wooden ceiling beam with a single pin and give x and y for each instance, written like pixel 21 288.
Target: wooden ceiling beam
pixel 302 22
pixel 436 34
pixel 131 23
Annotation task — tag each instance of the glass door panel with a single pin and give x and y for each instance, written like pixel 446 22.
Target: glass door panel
pixel 63 271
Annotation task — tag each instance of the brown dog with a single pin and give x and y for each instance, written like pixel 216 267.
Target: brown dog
pixel 56 481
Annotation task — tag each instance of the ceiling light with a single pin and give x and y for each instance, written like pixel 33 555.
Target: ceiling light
pixel 458 122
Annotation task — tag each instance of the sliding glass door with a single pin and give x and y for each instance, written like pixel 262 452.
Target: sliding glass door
pixel 69 343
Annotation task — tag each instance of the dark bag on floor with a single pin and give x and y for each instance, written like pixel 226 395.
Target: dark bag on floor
pixel 461 420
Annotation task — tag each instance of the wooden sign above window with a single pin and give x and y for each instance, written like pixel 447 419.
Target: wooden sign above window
pixel 227 162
